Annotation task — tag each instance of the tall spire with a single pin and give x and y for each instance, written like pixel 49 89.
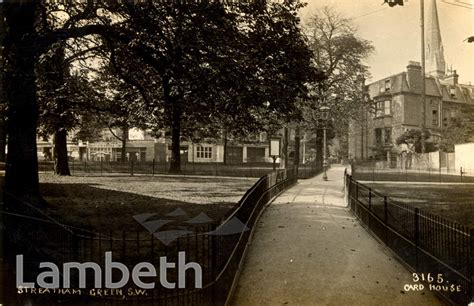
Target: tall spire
pixel 435 64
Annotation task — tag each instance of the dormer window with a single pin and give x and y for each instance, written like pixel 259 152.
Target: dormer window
pixel 452 92
pixel 387 85
pixel 381 88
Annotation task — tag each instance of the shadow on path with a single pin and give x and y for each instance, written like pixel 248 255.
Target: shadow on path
pixel 310 250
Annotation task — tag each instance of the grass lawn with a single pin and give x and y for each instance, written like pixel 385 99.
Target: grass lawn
pixel 401 176
pixel 109 203
pixel 454 202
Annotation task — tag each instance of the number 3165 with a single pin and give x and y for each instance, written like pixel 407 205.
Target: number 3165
pixel 427 278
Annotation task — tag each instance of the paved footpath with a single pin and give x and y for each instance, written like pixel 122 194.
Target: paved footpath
pixel 309 249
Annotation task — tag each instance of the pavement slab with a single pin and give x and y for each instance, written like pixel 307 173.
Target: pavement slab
pixel 309 249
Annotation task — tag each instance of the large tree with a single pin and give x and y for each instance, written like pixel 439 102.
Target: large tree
pixel 56 115
pixel 340 54
pixel 27 37
pixel 21 177
pixel 209 66
pixel 3 101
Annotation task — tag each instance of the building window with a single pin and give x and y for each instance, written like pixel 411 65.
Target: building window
pixel 379 109
pixel 383 108
pixel 454 114
pixel 388 136
pixel 204 152
pixel 387 85
pixel 446 117
pixel 387 107
pixel 378 136
pixel 435 117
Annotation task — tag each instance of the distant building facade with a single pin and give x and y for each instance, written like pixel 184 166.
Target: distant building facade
pixel 397 102
pixel 142 147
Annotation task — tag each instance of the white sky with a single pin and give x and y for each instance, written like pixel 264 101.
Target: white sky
pixel 395 32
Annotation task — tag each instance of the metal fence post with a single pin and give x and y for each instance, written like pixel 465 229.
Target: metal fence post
pixel 131 168
pixel 153 168
pixel 349 191
pixel 385 218
pixel 416 237
pixel 370 199
pixel 471 260
pixel 75 248
pixel 101 168
pixel 357 190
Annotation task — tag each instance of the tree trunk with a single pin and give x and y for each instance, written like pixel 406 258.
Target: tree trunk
pixel 3 139
pixel 3 100
pixel 175 164
pixel 225 147
pixel 21 177
pixel 123 151
pixel 60 153
pixel 296 160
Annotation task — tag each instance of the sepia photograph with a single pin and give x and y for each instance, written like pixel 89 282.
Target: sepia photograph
pixel 236 152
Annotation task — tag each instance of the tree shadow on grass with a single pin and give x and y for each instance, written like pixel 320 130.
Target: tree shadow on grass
pixel 92 208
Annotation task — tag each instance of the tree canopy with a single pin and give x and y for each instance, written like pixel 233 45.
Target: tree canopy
pixel 178 69
pixel 459 130
pixel 340 55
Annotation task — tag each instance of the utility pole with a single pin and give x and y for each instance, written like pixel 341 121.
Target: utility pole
pixel 423 81
pixel 392 3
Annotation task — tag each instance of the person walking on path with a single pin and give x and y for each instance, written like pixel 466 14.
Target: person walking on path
pixel 309 249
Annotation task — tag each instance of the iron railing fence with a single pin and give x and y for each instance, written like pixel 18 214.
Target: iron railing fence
pixel 439 251
pixel 105 168
pixel 218 248
pixel 250 208
pixel 370 172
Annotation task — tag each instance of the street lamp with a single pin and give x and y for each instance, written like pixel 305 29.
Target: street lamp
pixel 324 115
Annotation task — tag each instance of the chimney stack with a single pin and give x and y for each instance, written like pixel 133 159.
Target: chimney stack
pixel 414 76
pixel 452 79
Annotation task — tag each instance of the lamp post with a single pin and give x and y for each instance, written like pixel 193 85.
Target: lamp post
pixel 324 114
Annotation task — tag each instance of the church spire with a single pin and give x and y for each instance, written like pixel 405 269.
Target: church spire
pixel 435 64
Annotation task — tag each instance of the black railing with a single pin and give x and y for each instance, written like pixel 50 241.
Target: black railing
pixel 439 251
pixel 370 172
pixel 219 248
pixel 250 208
pixel 105 168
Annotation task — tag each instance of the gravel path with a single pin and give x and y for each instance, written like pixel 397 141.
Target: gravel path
pixel 310 250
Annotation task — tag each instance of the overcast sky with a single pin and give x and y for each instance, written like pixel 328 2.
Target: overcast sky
pixel 395 32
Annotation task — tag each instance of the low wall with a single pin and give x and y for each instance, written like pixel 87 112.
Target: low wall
pixel 464 156
pixel 426 161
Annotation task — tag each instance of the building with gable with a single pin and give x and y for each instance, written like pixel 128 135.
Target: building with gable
pixel 397 101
